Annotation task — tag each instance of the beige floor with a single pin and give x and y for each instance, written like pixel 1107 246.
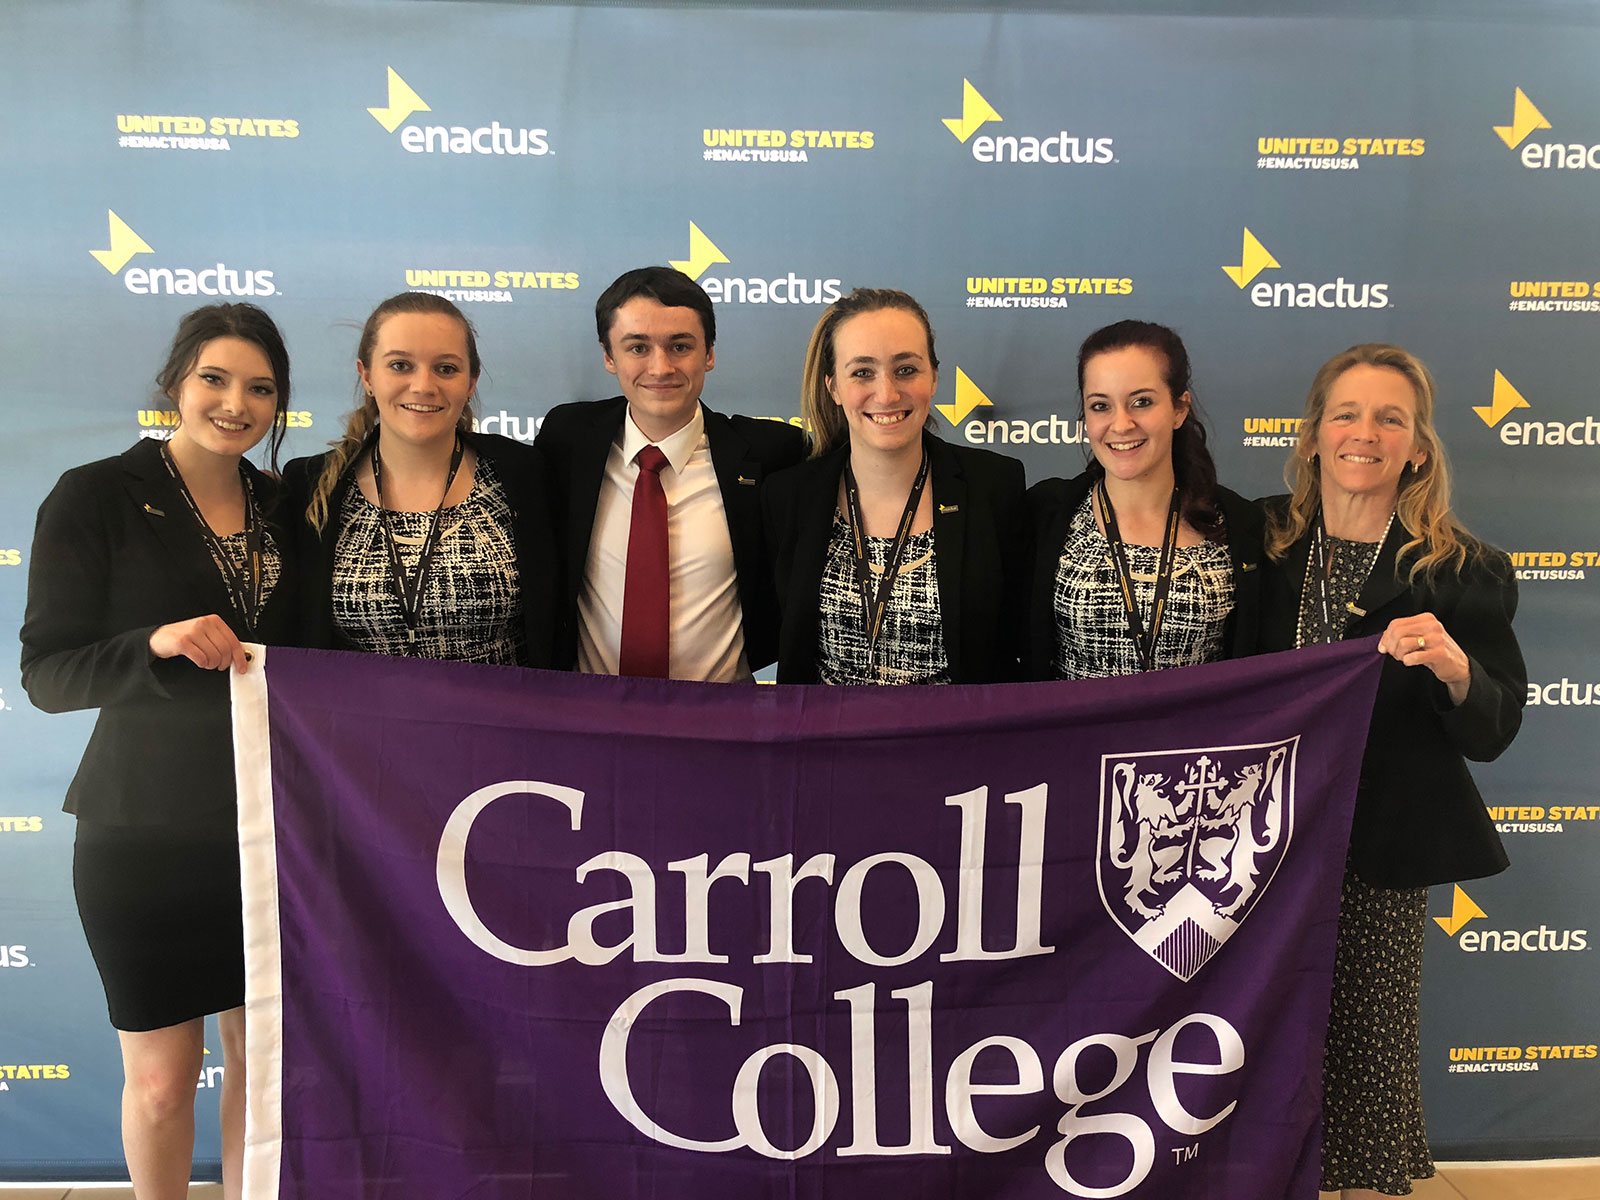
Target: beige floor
pixel 1572 1179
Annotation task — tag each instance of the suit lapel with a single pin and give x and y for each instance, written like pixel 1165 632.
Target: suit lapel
pixel 738 479
pixel 589 454
pixel 163 511
pixel 949 542
pixel 1383 583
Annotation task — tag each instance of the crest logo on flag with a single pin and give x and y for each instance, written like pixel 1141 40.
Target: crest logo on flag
pixel 1189 841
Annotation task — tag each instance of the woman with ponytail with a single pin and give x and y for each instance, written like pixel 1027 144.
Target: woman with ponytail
pixel 1142 561
pixel 419 536
pixel 1364 546
pixel 898 556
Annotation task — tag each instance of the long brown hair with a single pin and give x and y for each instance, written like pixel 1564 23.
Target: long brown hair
pixel 822 416
pixel 360 423
pixel 1438 540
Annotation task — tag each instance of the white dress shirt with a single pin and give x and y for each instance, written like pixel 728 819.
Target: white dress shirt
pixel 707 632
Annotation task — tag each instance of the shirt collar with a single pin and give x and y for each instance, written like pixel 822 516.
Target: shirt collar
pixel 678 447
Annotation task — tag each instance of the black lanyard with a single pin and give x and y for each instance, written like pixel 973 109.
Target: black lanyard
pixel 243 581
pixel 1144 642
pixel 1318 565
pixel 410 594
pixel 875 604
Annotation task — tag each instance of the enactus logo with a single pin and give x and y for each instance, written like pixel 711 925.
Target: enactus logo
pixel 1541 940
pixel 1506 399
pixel 1255 258
pixel 493 138
pixel 973 413
pixel 1056 146
pixel 785 288
pixel 219 280
pixel 1526 119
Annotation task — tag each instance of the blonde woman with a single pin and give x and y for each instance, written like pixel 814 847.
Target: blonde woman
pixel 418 536
pixel 898 556
pixel 1366 545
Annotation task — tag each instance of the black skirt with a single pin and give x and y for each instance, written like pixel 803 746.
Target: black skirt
pixel 161 910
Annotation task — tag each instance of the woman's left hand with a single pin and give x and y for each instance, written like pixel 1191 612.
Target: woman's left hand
pixel 1420 641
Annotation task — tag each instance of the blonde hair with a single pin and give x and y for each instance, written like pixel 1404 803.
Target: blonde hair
pixel 361 424
pixel 1439 541
pixel 822 416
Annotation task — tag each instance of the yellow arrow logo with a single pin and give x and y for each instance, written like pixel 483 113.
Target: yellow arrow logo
pixel 125 243
pixel 968 397
pixel 1252 261
pixel 1525 118
pixel 403 102
pixel 975 113
pixel 702 253
pixel 1462 909
pixel 1504 400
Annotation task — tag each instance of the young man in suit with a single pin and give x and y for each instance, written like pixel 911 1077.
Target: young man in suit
pixel 655 499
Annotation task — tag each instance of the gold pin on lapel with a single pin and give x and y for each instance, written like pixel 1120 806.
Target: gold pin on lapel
pixel 949 508
pixel 154 511
pixel 747 482
pixel 1248 566
pixel 1351 605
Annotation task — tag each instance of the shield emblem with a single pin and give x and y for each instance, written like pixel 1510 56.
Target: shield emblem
pixel 1189 841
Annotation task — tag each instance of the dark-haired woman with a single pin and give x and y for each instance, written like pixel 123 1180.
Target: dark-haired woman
pixel 148 571
pixel 418 536
pixel 1367 545
pixel 898 556
pixel 1141 562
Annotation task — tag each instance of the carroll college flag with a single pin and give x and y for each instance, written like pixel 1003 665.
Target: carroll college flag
pixel 517 934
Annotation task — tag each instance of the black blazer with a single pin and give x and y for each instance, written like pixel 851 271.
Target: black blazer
pixel 1419 818
pixel 980 540
pixel 519 470
pixel 1054 502
pixel 576 439
pixel 115 555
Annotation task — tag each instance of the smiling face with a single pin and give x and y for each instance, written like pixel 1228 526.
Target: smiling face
pixel 419 376
pixel 1130 413
pixel 1367 434
pixel 660 357
pixel 228 400
pixel 883 379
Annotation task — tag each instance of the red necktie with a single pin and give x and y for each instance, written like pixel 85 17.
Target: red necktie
pixel 646 586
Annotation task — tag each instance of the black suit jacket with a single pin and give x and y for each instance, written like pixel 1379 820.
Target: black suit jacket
pixel 1419 818
pixel 576 438
pixel 115 555
pixel 1054 502
pixel 980 540
pixel 520 471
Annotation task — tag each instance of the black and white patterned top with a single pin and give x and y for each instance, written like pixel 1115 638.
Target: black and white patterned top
pixel 1092 640
pixel 911 642
pixel 1349 565
pixel 237 548
pixel 472 601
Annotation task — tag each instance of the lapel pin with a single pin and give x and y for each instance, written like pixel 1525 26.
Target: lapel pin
pixel 154 511
pixel 949 508
pixel 747 481
pixel 1248 566
pixel 1351 605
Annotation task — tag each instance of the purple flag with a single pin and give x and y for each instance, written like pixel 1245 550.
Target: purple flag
pixel 518 934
